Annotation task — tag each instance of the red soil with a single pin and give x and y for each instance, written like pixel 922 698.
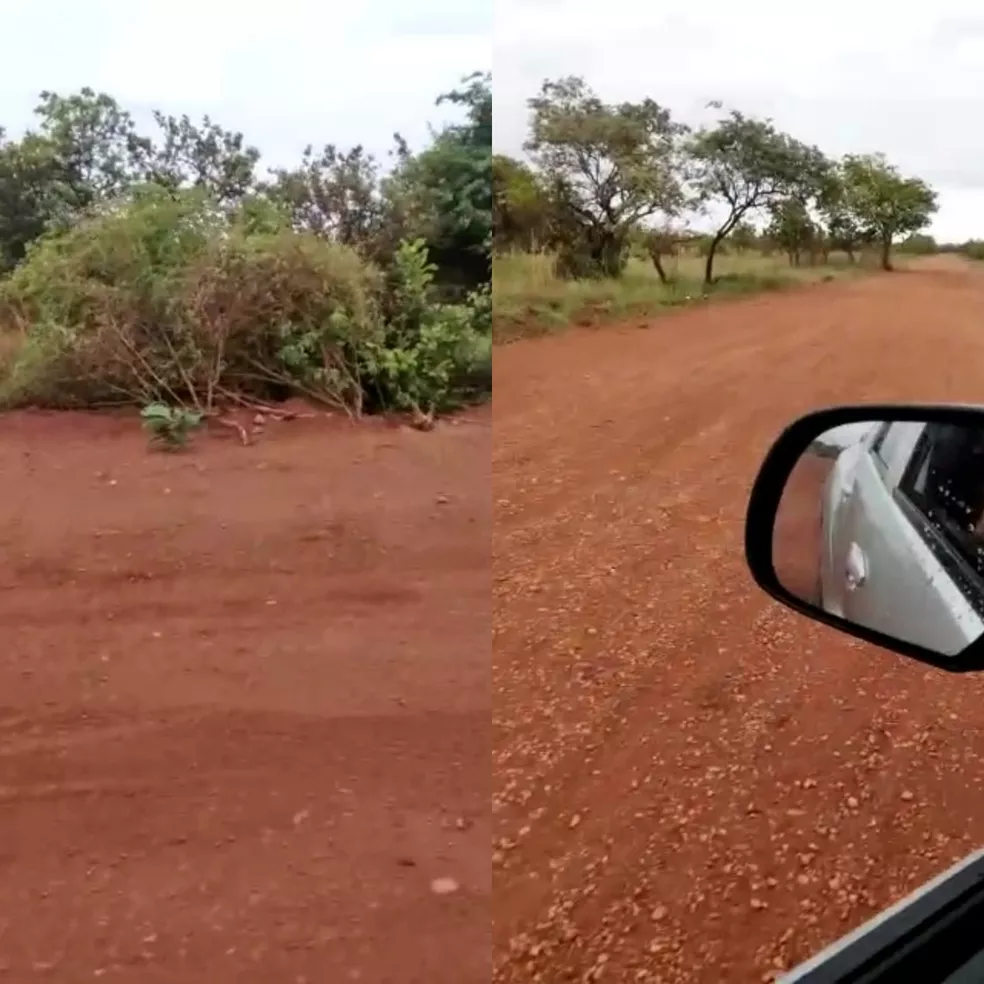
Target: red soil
pixel 244 704
pixel 693 783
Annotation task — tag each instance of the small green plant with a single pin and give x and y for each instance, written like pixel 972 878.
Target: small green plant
pixel 169 427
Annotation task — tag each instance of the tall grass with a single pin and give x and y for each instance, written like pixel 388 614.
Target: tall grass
pixel 528 298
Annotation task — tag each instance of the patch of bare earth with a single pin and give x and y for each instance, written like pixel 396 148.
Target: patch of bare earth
pixel 691 782
pixel 244 704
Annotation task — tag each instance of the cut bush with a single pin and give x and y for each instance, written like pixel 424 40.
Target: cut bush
pixel 167 299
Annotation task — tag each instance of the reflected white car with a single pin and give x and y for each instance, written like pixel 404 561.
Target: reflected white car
pixel 885 564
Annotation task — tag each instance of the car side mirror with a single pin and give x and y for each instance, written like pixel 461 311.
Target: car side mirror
pixel 870 519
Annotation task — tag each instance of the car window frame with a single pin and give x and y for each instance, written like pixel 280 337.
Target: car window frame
pixel 875 449
pixel 914 506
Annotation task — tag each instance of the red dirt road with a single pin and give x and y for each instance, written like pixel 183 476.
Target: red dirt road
pixel 692 783
pixel 244 704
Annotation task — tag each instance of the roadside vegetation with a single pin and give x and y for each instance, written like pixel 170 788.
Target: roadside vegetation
pixel 619 208
pixel 172 272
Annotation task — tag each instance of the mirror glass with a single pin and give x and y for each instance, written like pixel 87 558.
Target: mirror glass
pixel 882 523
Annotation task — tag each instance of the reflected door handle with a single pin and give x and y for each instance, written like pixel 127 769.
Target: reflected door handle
pixel 856 568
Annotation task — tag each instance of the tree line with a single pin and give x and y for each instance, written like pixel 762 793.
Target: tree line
pixel 167 264
pixel 606 178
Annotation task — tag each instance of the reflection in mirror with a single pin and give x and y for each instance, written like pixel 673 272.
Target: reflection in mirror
pixel 882 524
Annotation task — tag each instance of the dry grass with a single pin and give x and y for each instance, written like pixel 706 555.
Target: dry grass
pixel 529 299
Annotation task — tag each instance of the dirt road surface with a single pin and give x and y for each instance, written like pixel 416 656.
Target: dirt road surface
pixel 692 783
pixel 244 705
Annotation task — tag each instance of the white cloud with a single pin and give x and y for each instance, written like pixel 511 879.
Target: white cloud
pixel 850 76
pixel 286 73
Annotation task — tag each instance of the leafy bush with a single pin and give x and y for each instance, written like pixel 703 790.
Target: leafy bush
pixel 95 301
pixel 973 249
pixel 166 298
pixel 282 311
pixel 433 356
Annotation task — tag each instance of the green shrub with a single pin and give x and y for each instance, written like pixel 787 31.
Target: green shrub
pixel 169 427
pixel 283 311
pixel 167 299
pixel 433 356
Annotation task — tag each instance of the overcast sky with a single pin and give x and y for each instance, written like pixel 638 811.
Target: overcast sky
pixel 848 75
pixel 286 73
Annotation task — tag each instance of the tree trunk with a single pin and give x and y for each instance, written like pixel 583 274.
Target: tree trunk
pixel 608 254
pixel 709 261
pixel 712 249
pixel 886 254
pixel 656 257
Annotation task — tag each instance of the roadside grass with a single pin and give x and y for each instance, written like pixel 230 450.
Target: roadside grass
pixel 528 299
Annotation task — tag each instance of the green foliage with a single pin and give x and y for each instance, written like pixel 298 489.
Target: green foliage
pixel 204 156
pixel 844 230
pixel 167 300
pixel 521 206
pixel 973 249
pixel 158 270
pixel 607 168
pixel 746 164
pixel 444 194
pixel 793 230
pixel 169 427
pixel 606 182
pixel 530 299
pixel 334 194
pixel 36 193
pixel 886 204
pixel 919 244
pixel 435 356
pixel 95 140
pixel 743 236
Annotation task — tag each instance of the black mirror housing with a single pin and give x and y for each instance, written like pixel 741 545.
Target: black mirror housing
pixel 767 495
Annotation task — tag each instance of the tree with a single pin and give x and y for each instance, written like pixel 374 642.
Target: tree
pixel 886 204
pixel 204 156
pixel 36 194
pixel 520 206
pixel 793 230
pixel 608 167
pixel 333 194
pixel 919 244
pixel 843 229
pixel 443 195
pixel 747 164
pixel 743 237
pixel 95 142
pixel 657 244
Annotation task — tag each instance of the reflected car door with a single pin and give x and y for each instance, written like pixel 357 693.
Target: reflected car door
pixel 838 518
pixel 886 579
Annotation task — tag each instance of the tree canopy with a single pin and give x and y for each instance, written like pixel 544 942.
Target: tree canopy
pixel 86 151
pixel 886 204
pixel 598 171
pixel 609 166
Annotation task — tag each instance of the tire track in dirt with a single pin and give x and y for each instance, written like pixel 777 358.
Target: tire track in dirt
pixel 691 783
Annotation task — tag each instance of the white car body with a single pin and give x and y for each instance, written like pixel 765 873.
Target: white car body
pixel 881 565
